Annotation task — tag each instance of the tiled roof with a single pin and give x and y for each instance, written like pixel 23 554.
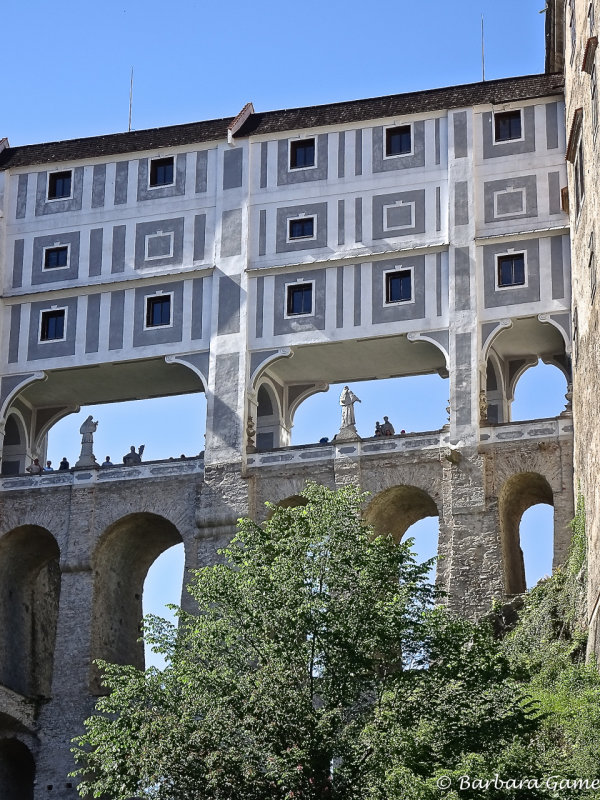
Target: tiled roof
pixel 98 147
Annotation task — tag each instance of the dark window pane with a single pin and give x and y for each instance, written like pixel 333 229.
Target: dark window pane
pixel 302 154
pixel 511 270
pixel 55 257
pixel 53 325
pixel 398 141
pixel 398 286
pixel 507 126
pixel 158 311
pixel 302 228
pixel 59 185
pixel 161 172
pixel 299 299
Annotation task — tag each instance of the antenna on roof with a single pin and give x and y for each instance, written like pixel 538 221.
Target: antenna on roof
pixel 482 51
pixel 130 98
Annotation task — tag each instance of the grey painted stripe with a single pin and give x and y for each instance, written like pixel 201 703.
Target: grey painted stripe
pixel 95 265
pixel 118 249
pixel 22 197
pixel 554 192
pixel 260 302
pixel 228 318
pixel 98 185
pixel 121 178
pixel 199 236
pixel 462 279
pixel 438 208
pixel 358 153
pixel 460 134
pixel 461 203
pixel 463 377
pixel 556 261
pixel 201 171
pixel 264 164
pixel 339 305
pixel 233 162
pixel 358 219
pixel 438 147
pixel 115 328
pixel 357 295
pixel 341 154
pixel 17 278
pixel 92 324
pixel 15 328
pixel 262 232
pixel 231 233
pixel 197 301
pixel 551 126
pixel 341 222
pixel 438 283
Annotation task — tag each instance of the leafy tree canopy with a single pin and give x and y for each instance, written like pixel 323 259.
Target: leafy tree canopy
pixel 315 667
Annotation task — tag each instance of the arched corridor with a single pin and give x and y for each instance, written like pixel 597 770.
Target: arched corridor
pixel 123 556
pixel 17 770
pixel 29 596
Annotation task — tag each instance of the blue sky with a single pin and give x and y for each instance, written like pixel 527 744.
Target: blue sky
pixel 66 71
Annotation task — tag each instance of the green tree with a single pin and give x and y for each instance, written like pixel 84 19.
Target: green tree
pixel 315 667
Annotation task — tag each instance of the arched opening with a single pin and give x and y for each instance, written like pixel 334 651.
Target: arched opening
pixel 162 587
pixel 15 446
pixel 120 563
pixel 407 511
pixel 270 429
pixel 536 538
pixel 539 392
pixel 412 404
pixel 29 596
pixel 519 493
pixel 17 770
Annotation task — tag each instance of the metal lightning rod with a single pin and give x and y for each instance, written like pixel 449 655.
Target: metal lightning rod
pixel 130 98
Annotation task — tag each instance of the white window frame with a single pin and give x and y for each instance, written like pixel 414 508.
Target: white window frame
pixel 399 204
pixel 511 190
pixel 399 268
pixel 511 252
pixel 159 235
pixel 508 111
pixel 294 218
pixel 162 295
pixel 55 246
pixel 296 140
pixel 57 199
pixel 46 310
pixel 161 185
pixel 412 140
pixel 299 282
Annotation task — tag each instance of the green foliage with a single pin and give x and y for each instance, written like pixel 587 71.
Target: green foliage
pixel 315 644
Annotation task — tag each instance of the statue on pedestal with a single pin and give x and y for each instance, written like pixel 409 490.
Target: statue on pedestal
pixel 348 427
pixel 87 431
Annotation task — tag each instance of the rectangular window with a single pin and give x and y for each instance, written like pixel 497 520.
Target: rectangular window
pixel 398 141
pixel 511 270
pixel 56 257
pixel 594 99
pixel 593 279
pixel 573 29
pixel 301 228
pixel 158 311
pixel 302 153
pixel 398 286
pixel 579 173
pixel 52 325
pixel 507 126
pixel 299 299
pixel 592 19
pixel 162 171
pixel 59 185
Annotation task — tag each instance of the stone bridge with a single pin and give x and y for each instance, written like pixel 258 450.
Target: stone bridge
pixel 75 548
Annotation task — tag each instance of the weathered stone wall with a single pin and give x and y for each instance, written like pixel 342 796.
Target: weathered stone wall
pixel 585 238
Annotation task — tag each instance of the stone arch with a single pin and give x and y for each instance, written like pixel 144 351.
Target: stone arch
pixel 293 501
pixel 519 492
pixel 17 770
pixel 395 509
pixel 121 561
pixel 271 431
pixel 29 596
pixel 15 447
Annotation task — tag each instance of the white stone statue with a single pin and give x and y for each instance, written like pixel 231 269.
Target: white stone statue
pixel 347 400
pixel 87 431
